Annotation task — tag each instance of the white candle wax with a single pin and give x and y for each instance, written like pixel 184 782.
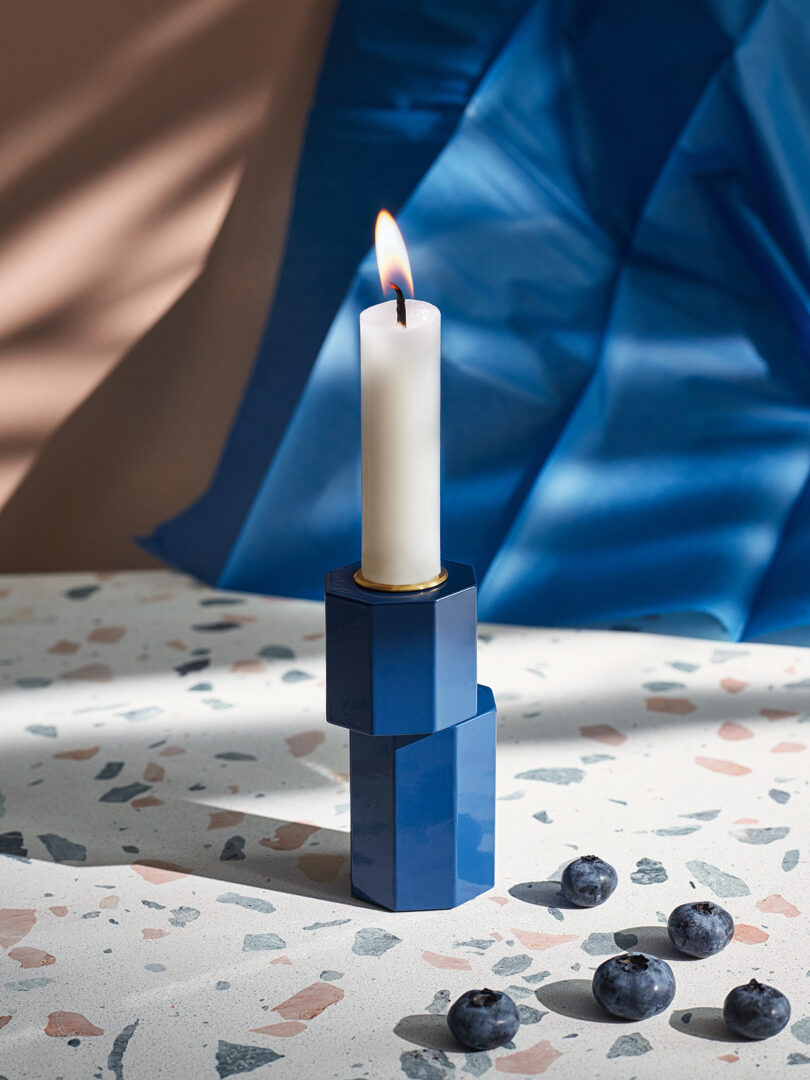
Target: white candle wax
pixel 401 403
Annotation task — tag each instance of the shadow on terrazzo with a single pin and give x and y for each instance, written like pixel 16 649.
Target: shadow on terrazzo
pixel 686 684
pixel 228 656
pixel 162 624
pixel 267 853
pixel 548 720
pixel 647 939
pixel 703 1023
pixel 428 1031
pixel 189 818
pixel 574 998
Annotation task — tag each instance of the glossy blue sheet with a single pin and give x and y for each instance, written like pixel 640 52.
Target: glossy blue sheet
pixel 617 233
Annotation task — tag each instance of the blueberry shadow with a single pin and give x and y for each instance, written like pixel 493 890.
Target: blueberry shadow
pixel 649 939
pixel 540 893
pixel 574 998
pixel 428 1031
pixel 702 1023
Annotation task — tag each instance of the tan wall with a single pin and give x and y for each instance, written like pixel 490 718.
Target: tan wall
pixel 147 153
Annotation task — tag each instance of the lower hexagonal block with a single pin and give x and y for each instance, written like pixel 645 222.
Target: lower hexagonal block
pixel 423 814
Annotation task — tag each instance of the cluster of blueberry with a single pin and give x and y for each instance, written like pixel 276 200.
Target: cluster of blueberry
pixel 635 985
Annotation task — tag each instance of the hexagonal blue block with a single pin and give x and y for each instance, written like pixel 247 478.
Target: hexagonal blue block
pixel 400 663
pixel 423 814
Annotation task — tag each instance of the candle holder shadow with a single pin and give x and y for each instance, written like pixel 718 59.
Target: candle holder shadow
pixel 401 675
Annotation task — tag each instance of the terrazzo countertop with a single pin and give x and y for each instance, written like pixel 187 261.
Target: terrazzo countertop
pixel 175 890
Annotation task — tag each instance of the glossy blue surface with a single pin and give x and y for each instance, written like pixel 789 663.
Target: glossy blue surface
pixel 400 663
pixel 423 814
pixel 617 233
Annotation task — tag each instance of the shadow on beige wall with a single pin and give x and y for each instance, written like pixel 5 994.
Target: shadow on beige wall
pixel 148 156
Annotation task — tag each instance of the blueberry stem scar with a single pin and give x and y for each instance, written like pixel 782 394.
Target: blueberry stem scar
pixel 633 961
pixel 401 317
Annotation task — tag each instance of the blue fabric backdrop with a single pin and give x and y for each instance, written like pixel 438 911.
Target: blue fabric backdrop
pixel 608 203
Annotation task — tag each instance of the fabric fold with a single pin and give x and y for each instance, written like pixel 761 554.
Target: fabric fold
pixel 617 237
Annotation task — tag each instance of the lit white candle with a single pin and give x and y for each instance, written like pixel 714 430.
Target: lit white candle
pixel 401 405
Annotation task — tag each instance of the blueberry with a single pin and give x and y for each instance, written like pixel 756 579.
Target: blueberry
pixel 483 1019
pixel 756 1011
pixel 700 928
pixel 634 985
pixel 588 881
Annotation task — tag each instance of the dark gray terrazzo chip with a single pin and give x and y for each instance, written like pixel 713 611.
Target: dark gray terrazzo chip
pixel 295 675
pixel 13 844
pixel 276 652
pixel 252 903
pixel 600 944
pixel 562 777
pixel 528 1015
pixel 25 986
pixel 762 836
pixel 190 666
pixel 61 849
pixel 790 860
pixel 629 1046
pixel 109 771
pixel 233 1058
pixel 426 1064
pixel 262 943
pixel 81 592
pixel 119 1047
pixel 233 849
pixel 182 916
pixel 677 830
pixel 372 941
pixel 476 1064
pixel 649 872
pixel 511 965
pixel 124 794
pixel 440 1003
pixel 721 883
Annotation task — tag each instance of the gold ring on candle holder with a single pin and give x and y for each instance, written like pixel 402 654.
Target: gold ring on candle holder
pixel 420 586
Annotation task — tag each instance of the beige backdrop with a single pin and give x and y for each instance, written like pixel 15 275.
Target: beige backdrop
pixel 147 155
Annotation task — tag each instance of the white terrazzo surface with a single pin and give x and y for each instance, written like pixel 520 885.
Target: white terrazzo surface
pixel 174 891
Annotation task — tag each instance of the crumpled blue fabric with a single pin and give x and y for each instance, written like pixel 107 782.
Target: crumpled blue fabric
pixel 618 236
pixel 394 84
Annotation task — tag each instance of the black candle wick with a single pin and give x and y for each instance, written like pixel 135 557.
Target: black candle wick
pixel 401 319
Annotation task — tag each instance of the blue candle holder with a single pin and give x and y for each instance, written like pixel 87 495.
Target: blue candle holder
pixel 401 675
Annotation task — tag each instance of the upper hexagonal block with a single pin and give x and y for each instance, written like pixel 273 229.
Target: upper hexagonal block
pixel 401 663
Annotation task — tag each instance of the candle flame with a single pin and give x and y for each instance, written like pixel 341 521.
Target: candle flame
pixel 392 257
